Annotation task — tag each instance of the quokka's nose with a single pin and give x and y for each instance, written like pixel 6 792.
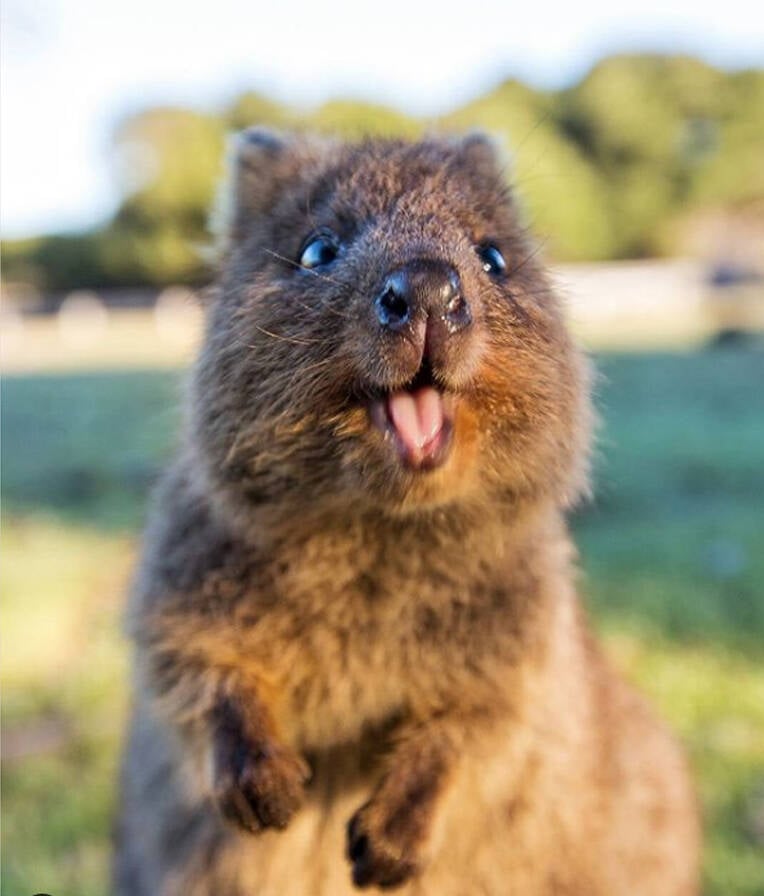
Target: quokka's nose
pixel 423 290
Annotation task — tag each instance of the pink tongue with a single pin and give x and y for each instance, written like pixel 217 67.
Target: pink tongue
pixel 417 417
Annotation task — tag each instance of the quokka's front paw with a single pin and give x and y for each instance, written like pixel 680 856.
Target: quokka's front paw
pixel 382 846
pixel 259 786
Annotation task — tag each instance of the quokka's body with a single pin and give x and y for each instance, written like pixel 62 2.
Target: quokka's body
pixel 360 658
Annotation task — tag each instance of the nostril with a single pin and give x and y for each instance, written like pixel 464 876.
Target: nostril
pixel 392 307
pixel 451 289
pixel 457 314
pixel 455 304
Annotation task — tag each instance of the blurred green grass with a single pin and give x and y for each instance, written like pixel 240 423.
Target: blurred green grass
pixel 673 568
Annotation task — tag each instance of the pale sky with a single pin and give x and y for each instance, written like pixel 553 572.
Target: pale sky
pixel 72 68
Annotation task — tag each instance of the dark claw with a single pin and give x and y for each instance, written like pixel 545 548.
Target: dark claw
pixel 358 848
pixel 261 790
pixel 370 867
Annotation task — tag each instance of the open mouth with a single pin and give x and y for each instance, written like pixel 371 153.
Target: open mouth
pixel 418 420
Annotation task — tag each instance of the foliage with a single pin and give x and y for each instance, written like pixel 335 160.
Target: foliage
pixel 651 125
pixel 604 168
pixel 355 119
pixel 734 172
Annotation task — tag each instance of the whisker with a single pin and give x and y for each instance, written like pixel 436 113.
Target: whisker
pixel 317 365
pixel 319 275
pixel 528 257
pixel 292 339
pixel 544 118
pixel 296 264
pixel 344 315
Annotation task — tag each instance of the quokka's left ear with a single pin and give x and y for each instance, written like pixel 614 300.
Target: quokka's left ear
pixel 261 164
pixel 482 154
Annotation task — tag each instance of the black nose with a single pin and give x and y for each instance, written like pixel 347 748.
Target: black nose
pixel 420 289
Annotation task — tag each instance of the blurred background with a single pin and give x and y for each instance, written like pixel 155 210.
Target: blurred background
pixel 637 146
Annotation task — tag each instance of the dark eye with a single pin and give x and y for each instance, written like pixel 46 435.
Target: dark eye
pixel 318 251
pixel 493 260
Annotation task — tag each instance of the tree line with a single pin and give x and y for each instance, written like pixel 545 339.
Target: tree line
pixel 615 166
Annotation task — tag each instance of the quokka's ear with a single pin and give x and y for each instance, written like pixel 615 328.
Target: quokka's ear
pixel 261 163
pixel 484 155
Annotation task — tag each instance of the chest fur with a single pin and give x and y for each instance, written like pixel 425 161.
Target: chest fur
pixel 343 653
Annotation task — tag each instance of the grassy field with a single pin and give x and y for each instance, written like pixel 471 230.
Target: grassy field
pixel 673 566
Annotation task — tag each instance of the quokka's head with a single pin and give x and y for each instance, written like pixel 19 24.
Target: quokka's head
pixel 382 333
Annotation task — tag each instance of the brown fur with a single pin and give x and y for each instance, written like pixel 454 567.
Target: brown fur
pixel 410 641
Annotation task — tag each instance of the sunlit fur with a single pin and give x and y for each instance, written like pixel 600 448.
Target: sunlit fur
pixel 414 636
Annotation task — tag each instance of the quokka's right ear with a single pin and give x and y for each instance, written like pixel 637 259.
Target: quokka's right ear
pixel 261 163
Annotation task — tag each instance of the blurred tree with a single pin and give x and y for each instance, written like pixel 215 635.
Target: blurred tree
pixel 558 185
pixel 169 162
pixel 651 125
pixel 253 108
pixel 731 170
pixel 59 261
pixel 353 119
